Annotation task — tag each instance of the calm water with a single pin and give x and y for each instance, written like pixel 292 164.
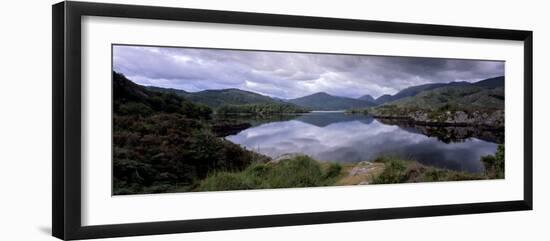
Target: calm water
pixel 352 138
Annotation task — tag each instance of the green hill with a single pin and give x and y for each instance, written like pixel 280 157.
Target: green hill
pixel 324 101
pixel 217 98
pixel 235 101
pixel 478 104
pixel 414 90
pixel 491 83
pixel 165 143
pixel 485 94
pixel 130 98
pixel 469 97
pixel 168 90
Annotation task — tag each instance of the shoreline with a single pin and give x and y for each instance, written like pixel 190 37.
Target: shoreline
pixel 410 120
pixel 381 170
pixel 403 119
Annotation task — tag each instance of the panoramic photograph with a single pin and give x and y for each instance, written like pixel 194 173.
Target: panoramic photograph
pixel 199 119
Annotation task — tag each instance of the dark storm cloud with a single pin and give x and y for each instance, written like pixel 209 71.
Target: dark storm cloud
pixel 290 75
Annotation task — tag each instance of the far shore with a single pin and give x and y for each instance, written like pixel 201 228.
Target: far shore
pixel 327 111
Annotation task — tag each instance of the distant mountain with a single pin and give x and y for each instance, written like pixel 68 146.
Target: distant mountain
pixel 217 98
pixel 484 94
pixel 368 98
pixel 468 97
pixel 491 83
pixel 383 99
pixel 168 90
pixel 414 90
pixel 324 101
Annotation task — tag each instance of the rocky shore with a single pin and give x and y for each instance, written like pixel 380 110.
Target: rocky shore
pixel 450 133
pixel 487 120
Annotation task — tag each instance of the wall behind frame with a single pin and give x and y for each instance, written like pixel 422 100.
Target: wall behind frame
pixel 25 124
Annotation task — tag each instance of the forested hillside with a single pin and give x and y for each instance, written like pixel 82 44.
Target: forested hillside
pixel 163 142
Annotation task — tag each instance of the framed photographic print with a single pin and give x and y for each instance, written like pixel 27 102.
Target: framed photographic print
pixel 169 120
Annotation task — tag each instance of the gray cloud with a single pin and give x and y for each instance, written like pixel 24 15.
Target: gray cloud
pixel 291 75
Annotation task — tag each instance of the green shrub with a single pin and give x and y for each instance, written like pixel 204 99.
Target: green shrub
pixel 333 170
pixel 301 171
pixel 134 108
pixel 494 164
pixel 225 181
pixel 169 149
pixel 402 171
pixel 260 109
pixel 394 172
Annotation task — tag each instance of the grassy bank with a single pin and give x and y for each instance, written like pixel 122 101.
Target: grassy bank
pixel 301 171
pixel 406 171
pixel 397 170
pixel 304 171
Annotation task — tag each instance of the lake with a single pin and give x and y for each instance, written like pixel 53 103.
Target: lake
pixel 341 137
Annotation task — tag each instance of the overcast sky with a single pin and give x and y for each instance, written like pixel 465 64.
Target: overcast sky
pixel 291 75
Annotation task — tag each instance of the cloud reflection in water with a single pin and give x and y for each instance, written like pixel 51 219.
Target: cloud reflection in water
pixel 345 138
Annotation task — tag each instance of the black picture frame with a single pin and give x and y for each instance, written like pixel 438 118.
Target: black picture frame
pixel 66 169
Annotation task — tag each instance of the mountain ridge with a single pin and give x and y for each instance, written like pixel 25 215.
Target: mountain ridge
pixel 493 82
pixel 325 101
pixel 367 98
pixel 216 98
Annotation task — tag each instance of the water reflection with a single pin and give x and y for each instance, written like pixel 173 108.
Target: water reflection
pixel 449 134
pixel 353 138
pixel 325 118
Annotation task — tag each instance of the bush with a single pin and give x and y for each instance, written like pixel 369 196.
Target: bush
pixel 169 149
pixel 333 170
pixel 403 171
pixel 393 173
pixel 301 171
pixel 260 109
pixel 134 108
pixel 225 181
pixel 193 110
pixel 494 164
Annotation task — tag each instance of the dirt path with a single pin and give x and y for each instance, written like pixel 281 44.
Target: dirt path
pixel 361 173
